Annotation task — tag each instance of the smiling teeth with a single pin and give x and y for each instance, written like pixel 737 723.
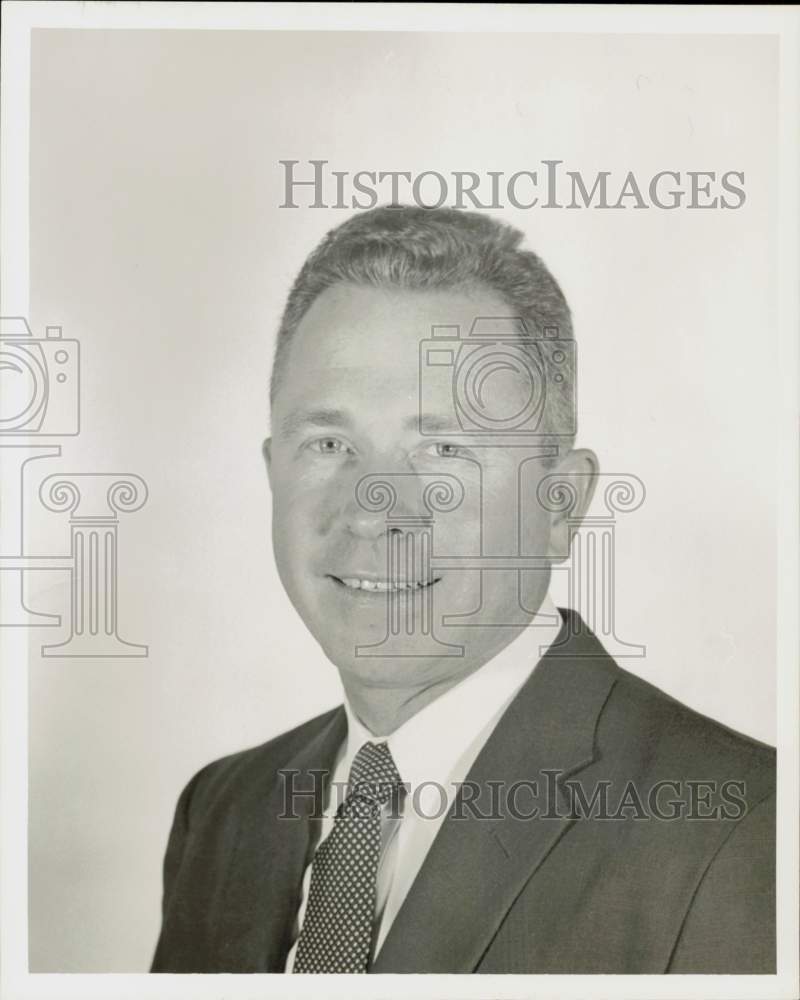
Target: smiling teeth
pixel 356 584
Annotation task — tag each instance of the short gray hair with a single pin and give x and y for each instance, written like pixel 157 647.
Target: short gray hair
pixel 400 246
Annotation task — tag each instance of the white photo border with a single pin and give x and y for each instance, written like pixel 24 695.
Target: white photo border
pixel 20 18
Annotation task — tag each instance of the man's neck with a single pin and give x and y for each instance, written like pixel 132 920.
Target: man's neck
pixel 382 710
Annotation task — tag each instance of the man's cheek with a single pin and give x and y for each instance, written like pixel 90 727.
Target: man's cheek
pixel 535 531
pixel 303 513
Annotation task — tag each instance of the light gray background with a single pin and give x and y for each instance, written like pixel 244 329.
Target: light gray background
pixel 157 241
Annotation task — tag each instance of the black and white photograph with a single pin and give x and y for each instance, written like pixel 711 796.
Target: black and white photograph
pixel 399 507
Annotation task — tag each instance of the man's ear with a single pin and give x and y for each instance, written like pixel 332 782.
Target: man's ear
pixel 266 451
pixel 573 480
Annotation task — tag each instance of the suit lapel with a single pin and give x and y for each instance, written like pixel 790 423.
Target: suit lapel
pixel 484 855
pixel 262 893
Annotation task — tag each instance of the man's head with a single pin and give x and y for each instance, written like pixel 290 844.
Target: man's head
pixel 349 382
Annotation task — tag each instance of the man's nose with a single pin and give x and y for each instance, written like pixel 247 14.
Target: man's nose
pixel 381 503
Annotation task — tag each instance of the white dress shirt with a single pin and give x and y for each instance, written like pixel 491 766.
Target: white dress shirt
pixel 433 752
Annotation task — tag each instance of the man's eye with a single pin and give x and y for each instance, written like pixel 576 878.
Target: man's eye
pixel 446 450
pixel 328 446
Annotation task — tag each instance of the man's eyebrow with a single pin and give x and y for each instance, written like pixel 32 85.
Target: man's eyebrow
pixel 314 418
pixel 433 423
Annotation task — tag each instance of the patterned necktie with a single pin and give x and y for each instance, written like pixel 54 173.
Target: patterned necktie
pixel 336 935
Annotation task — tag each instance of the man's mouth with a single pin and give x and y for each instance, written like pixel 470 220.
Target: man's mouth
pixel 383 586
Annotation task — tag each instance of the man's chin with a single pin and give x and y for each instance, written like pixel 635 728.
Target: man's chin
pixel 369 670
pixel 347 617
pixel 381 639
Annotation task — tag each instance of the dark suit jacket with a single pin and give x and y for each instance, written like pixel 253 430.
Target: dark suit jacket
pixel 564 892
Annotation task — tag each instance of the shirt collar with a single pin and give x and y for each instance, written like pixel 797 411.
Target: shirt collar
pixel 446 735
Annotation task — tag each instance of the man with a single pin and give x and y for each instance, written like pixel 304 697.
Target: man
pixel 496 794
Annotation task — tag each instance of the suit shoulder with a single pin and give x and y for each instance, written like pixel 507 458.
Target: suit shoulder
pixel 668 731
pixel 265 759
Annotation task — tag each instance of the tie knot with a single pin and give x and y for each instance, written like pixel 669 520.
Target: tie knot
pixel 373 775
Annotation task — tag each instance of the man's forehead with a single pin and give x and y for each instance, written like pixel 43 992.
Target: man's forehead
pixel 353 325
pixel 365 348
pixel 341 375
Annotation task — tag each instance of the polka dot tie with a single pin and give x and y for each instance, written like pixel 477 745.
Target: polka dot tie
pixel 336 935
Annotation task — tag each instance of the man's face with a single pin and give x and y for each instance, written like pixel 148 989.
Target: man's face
pixel 347 406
